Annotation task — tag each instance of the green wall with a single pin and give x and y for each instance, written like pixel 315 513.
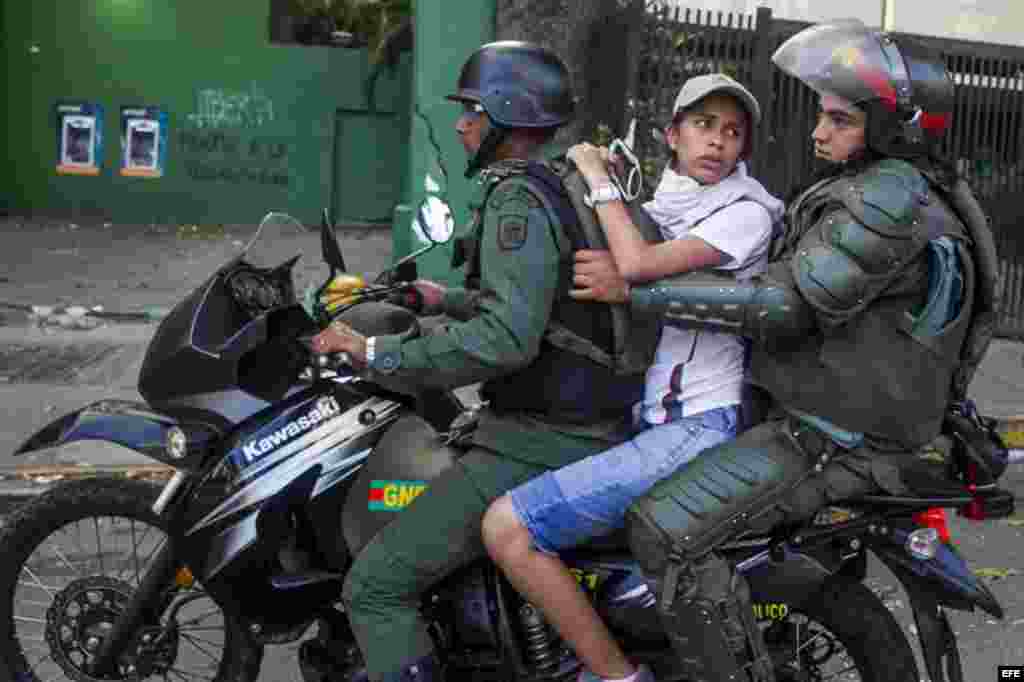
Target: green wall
pixel 444 40
pixel 253 126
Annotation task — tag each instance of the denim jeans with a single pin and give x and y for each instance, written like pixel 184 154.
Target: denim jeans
pixel 569 506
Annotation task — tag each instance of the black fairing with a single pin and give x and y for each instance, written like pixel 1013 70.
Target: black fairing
pixel 210 358
pixel 406 458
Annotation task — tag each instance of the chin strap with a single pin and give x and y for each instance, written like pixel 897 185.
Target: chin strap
pixel 495 136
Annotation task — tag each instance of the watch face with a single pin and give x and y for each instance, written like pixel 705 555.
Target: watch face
pixel 604 193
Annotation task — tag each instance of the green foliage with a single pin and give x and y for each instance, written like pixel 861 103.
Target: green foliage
pixel 603 135
pixel 369 21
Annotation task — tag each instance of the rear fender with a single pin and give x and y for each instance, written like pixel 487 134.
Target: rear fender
pixel 944 580
pixel 946 576
pixel 126 423
pixel 938 643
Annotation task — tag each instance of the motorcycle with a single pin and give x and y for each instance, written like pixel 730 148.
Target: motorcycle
pixel 286 463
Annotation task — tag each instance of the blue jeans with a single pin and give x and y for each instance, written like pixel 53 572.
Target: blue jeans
pixel 569 506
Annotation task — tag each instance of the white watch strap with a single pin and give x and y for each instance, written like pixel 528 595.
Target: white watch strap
pixel 601 194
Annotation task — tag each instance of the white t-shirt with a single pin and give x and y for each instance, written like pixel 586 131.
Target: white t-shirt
pixel 698 370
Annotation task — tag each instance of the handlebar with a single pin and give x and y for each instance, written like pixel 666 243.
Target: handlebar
pixel 402 294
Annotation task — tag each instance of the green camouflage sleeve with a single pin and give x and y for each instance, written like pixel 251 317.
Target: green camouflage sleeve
pixel 519 275
pixel 460 303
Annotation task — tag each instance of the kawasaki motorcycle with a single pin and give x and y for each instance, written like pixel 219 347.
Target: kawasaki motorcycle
pixel 287 463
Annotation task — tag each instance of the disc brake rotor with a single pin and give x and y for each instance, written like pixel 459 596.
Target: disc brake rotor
pixel 82 616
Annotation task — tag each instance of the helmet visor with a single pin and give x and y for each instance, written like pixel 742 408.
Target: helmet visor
pixel 847 59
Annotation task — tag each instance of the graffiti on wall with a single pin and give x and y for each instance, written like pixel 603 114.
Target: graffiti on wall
pixel 225 141
pixel 216 108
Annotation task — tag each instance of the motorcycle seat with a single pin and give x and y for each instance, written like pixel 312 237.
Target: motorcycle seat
pixel 930 480
pixel 927 484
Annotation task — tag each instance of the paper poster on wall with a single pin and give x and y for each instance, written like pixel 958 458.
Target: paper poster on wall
pixel 79 138
pixel 143 141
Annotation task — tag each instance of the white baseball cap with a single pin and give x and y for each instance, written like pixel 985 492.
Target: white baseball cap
pixel 699 87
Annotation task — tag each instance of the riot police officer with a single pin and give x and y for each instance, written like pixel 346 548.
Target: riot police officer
pixel 874 312
pixel 553 397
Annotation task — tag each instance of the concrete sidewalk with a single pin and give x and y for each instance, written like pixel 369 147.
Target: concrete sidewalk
pixel 52 365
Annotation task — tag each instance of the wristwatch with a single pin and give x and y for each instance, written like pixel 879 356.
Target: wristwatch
pixel 602 194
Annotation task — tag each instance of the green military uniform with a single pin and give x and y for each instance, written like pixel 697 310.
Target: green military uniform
pixel 524 262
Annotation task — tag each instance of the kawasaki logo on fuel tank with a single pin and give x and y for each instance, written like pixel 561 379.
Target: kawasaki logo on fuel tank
pixel 325 409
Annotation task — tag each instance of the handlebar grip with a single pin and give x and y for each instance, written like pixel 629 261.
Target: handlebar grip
pixel 410 298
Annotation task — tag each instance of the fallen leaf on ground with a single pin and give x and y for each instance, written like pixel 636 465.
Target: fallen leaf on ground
pixel 996 573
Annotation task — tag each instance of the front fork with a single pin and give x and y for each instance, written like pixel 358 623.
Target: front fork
pixel 146 602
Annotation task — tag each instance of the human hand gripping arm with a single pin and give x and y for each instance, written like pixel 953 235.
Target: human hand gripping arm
pixel 768 309
pixel 637 259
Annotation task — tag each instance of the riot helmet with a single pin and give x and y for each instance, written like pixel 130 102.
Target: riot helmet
pixel 519 85
pixel 900 83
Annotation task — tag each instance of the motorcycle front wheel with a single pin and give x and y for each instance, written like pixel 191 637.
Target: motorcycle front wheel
pixel 72 558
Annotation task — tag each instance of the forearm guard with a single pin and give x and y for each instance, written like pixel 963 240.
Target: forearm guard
pixel 769 313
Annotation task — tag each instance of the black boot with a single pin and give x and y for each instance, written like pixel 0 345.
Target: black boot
pixel 711 627
pixel 425 669
pixel 319 663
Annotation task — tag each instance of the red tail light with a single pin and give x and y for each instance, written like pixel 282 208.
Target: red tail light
pixel 975 511
pixel 934 518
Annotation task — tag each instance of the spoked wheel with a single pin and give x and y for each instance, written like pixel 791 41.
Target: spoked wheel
pixel 844 635
pixel 73 558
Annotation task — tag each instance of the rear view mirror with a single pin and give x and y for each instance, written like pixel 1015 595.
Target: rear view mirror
pixel 329 245
pixel 434 220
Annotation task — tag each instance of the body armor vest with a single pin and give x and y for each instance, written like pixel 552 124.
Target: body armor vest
pixel 594 356
pixel 882 371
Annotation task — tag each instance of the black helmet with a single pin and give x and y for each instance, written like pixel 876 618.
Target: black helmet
pixel 519 85
pixel 902 85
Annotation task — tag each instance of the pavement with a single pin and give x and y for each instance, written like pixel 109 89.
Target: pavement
pixel 54 358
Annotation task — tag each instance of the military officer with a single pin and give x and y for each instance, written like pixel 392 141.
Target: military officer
pixel 553 397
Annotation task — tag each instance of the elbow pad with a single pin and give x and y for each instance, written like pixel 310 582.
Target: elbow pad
pixel 770 313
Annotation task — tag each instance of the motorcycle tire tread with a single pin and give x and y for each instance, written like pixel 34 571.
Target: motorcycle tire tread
pixel 35 520
pixel 871 634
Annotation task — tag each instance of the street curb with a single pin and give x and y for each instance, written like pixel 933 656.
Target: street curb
pixel 18 486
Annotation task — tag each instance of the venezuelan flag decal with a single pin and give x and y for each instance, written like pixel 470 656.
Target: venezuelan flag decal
pixel 394 495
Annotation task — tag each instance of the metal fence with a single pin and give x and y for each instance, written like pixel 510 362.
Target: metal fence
pixel 986 141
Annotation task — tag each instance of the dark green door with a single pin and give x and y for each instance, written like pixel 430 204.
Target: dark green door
pixel 369 165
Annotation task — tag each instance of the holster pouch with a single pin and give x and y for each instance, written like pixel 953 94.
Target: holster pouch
pixel 979 456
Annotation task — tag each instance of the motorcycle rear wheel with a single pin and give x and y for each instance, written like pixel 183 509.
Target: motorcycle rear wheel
pixel 63 579
pixel 845 634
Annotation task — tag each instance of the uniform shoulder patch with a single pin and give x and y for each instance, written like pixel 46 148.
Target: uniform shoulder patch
pixel 512 231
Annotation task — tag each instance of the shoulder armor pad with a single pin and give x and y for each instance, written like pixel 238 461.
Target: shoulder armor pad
pixel 887 197
pixel 855 250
